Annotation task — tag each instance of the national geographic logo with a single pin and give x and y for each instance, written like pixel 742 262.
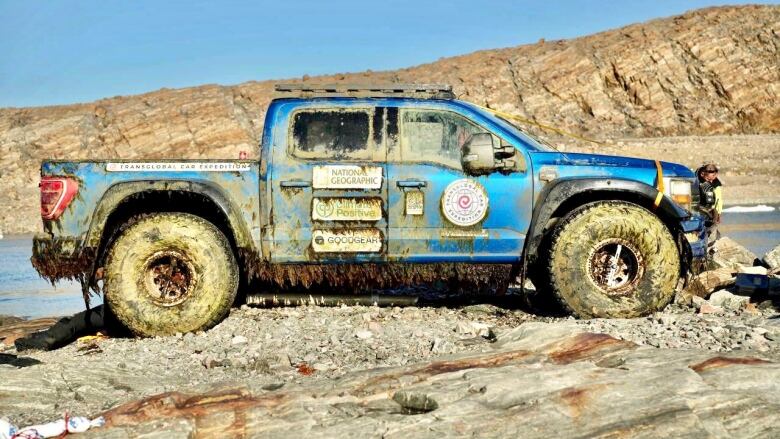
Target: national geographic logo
pixel 354 178
pixel 347 177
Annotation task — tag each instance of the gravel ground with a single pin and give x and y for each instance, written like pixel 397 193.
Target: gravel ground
pixel 276 346
pixel 678 328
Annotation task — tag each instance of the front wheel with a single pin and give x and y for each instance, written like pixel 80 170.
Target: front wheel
pixel 613 259
pixel 169 273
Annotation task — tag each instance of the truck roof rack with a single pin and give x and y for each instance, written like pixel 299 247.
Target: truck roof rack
pixel 305 90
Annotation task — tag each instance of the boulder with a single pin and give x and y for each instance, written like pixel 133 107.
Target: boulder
pixel 731 254
pixel 474 328
pixel 753 270
pixel 697 302
pixel 728 301
pixel 705 283
pixel 706 308
pixel 772 258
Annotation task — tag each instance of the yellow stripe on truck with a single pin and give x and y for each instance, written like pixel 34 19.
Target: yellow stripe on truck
pixel 659 184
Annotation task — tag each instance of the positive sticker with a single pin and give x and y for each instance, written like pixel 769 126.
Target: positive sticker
pixel 464 202
pixel 346 209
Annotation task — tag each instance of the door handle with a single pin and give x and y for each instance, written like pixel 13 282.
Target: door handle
pixel 295 183
pixel 411 183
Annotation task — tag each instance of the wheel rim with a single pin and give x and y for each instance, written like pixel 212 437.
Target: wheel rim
pixel 615 266
pixel 169 277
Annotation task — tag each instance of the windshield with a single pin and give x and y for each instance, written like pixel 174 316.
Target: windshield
pixel 515 130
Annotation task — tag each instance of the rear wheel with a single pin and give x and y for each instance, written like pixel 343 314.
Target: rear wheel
pixel 613 259
pixel 169 273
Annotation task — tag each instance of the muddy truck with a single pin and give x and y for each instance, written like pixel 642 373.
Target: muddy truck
pixel 370 187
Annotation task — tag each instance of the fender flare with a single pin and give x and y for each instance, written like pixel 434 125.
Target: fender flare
pixel 117 194
pixel 560 191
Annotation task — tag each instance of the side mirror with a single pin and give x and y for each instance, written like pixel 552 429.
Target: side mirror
pixel 482 156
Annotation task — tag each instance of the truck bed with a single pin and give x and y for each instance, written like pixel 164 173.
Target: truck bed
pixel 104 185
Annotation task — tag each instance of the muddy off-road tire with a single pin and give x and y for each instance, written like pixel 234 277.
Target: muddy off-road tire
pixel 169 273
pixel 589 280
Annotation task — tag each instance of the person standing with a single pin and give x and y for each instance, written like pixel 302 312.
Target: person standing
pixel 711 194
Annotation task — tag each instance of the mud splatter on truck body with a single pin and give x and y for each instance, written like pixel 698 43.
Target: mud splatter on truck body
pixel 367 187
pixel 118 192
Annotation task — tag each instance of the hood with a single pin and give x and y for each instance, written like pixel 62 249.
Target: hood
pixel 600 160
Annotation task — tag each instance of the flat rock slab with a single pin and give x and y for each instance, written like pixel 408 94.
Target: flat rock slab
pixel 538 380
pixel 731 254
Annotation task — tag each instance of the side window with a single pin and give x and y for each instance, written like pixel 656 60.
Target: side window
pixel 435 136
pixel 335 134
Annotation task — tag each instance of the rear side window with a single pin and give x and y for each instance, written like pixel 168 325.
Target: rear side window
pixel 334 134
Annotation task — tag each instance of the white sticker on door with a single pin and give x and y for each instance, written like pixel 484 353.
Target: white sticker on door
pixel 346 209
pixel 464 202
pixel 347 177
pixel 347 241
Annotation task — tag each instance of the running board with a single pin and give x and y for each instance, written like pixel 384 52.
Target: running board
pixel 274 300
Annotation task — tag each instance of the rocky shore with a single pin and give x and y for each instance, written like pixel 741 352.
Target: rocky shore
pixel 297 356
pixel 705 366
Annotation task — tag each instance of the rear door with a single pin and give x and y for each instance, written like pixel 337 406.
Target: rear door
pixel 328 186
pixel 438 213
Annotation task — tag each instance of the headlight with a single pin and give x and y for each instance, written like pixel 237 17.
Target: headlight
pixel 679 190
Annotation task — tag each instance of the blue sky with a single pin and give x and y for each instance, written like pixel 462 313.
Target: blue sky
pixel 58 52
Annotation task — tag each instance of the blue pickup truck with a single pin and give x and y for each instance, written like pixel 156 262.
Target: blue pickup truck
pixel 363 187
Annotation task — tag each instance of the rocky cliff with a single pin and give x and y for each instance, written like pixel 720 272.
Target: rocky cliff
pixel 710 71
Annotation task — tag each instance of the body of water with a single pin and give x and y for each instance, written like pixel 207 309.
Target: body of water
pixel 758 231
pixel 24 293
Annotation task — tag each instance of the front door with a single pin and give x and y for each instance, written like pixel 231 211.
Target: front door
pixel 328 187
pixel 438 213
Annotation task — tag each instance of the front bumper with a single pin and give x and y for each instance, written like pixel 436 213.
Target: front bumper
pixel 61 258
pixel 696 239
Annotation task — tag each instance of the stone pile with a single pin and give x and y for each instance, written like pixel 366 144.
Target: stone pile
pixel 730 261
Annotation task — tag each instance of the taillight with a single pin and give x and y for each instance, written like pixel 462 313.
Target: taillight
pixel 56 194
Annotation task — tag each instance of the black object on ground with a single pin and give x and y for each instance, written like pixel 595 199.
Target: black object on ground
pixel 64 331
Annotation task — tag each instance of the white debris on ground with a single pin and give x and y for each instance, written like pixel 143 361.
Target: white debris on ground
pixel 59 428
